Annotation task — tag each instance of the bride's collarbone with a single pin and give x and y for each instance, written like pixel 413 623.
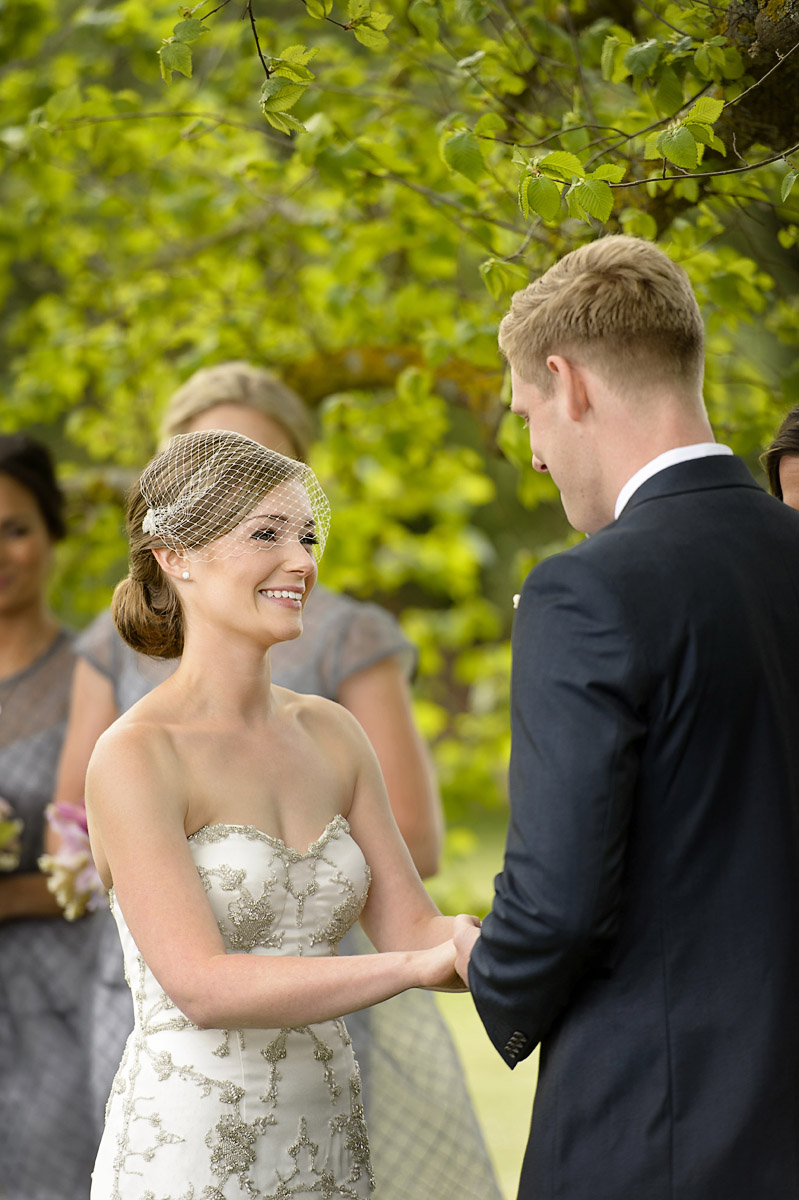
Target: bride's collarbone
pixel 273 789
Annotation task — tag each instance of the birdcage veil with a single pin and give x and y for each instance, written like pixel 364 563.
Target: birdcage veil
pixel 218 494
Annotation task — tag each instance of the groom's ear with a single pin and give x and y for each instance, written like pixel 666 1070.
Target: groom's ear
pixel 572 383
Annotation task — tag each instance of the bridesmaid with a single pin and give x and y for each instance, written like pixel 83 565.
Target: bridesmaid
pixel 425 1137
pixel 46 1142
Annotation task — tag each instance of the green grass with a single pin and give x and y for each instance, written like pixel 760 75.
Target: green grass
pixel 503 1099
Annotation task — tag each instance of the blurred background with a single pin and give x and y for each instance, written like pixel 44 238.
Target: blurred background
pixel 349 194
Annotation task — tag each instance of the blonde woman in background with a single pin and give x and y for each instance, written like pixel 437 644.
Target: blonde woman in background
pixel 418 1112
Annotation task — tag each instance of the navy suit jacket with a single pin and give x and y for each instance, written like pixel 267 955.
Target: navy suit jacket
pixel 645 928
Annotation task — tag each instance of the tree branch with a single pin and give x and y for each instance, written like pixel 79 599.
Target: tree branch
pixel 183 114
pixel 780 60
pixel 251 15
pixel 218 8
pixel 710 174
pixel 663 21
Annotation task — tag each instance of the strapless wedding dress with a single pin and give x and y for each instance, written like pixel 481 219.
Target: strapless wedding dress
pixel 255 1114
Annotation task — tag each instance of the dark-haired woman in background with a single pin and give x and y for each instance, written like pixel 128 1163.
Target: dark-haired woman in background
pixel 46 1145
pixel 781 461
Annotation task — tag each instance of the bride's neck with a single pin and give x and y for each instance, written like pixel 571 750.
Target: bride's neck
pixel 225 681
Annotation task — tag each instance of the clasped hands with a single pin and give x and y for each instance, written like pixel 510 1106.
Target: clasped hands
pixel 450 960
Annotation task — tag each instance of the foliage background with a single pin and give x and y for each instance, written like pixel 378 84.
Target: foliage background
pixel 352 202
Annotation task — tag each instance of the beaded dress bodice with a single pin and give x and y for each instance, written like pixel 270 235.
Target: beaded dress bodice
pixel 256 1114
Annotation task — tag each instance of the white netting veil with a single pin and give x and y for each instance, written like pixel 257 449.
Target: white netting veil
pixel 217 494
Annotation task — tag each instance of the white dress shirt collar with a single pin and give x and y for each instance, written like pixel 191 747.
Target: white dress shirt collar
pixel 669 459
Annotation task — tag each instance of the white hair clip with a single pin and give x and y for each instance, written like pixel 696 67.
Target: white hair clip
pixel 148 524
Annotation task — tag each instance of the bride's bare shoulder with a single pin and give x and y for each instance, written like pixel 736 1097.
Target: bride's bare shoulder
pixel 324 719
pixel 138 741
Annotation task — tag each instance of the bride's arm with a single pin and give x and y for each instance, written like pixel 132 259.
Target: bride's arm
pixel 399 913
pixel 136 822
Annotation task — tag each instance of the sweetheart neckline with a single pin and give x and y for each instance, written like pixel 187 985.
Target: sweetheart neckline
pixel 339 821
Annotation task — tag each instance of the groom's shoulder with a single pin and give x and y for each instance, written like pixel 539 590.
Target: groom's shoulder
pixel 586 565
pixel 617 561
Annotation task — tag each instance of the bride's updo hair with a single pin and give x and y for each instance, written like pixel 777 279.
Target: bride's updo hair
pixel 192 498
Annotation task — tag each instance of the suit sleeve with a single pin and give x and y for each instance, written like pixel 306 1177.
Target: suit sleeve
pixel 578 720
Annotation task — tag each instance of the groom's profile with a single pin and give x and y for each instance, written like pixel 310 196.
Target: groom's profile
pixel 645 927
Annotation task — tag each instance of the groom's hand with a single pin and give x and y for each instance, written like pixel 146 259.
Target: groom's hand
pixel 465 933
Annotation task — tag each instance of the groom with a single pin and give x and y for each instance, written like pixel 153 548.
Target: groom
pixel 645 928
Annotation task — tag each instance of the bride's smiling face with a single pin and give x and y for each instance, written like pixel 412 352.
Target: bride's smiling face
pixel 263 573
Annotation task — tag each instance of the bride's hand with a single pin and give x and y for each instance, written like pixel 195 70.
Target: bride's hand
pixel 439 968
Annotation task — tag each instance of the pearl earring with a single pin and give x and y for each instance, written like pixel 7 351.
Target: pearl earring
pixel 186 575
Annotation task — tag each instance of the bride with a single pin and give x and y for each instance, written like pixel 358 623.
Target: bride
pixel 242 829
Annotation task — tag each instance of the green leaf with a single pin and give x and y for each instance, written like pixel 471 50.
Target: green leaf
pixel 189 31
pixel 651 147
pixel 607 58
pixel 787 184
pixel 594 197
pixel 668 95
pixel 614 172
pixel 706 111
pixel 638 223
pixel 679 147
pixel 562 164
pixel 369 36
pixel 299 54
pixel 705 136
pixel 573 205
pixel 501 278
pixel 461 153
pixel 425 19
pixel 717 56
pixel 63 104
pixel 700 133
pixel 319 9
pixel 379 20
pixel 640 59
pixel 175 56
pixel 278 96
pixel 291 63
pixel 490 122
pixel 524 203
pixel 543 197
pixel 614 51
pixel 283 121
pixel 702 62
pixel 733 63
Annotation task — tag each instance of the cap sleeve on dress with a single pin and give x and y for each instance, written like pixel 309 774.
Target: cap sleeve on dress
pixel 358 636
pixel 100 645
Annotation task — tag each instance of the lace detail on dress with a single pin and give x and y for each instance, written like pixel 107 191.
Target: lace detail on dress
pixel 257 1113
pixel 214 833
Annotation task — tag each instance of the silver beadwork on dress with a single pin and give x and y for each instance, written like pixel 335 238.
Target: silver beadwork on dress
pixel 217 494
pixel 215 1114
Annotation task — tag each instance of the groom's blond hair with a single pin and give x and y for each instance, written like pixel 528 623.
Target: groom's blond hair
pixel 619 306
